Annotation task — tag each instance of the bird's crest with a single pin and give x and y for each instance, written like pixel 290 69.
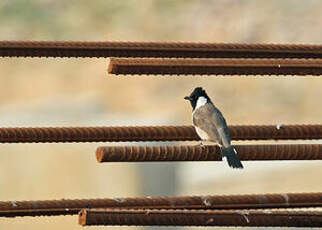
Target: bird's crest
pixel 195 95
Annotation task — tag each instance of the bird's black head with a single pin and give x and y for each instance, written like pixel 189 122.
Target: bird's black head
pixel 194 96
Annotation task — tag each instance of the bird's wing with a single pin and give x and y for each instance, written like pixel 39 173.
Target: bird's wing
pixel 222 128
pixel 209 119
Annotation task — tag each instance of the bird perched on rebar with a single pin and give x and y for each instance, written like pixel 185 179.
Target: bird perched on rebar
pixel 211 126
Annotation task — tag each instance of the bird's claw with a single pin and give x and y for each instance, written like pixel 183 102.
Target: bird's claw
pixel 201 144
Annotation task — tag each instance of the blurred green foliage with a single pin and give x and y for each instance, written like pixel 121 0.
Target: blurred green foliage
pixel 50 19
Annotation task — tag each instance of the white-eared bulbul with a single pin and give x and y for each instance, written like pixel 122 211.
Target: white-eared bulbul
pixel 211 126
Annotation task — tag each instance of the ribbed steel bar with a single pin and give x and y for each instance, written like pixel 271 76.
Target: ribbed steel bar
pixel 207 153
pixel 153 133
pixel 222 66
pixel 166 217
pixel 72 207
pixel 156 49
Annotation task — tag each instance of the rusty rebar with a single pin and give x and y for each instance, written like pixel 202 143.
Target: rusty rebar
pixel 156 49
pixel 222 66
pixel 207 153
pixel 166 217
pixel 153 133
pixel 72 207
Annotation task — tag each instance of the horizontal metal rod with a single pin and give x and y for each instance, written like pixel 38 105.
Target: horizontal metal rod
pixel 156 49
pixel 153 133
pixel 166 217
pixel 222 66
pixel 207 153
pixel 72 207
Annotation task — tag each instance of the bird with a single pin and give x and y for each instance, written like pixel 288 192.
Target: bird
pixel 211 125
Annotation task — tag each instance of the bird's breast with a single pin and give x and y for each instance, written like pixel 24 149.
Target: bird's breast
pixel 202 134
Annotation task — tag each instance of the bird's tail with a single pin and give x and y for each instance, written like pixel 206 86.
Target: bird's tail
pixel 232 158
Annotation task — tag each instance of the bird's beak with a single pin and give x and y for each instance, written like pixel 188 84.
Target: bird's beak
pixel 188 98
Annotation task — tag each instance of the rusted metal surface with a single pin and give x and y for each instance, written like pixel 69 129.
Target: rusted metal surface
pixel 222 66
pixel 207 153
pixel 166 217
pixel 153 133
pixel 156 49
pixel 72 207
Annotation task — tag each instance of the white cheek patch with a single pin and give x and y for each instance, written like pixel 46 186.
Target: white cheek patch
pixel 200 102
pixel 235 151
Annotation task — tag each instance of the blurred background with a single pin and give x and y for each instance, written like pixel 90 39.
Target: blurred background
pixel 78 92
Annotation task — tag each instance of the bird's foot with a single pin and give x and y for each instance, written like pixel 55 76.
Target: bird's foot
pixel 201 144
